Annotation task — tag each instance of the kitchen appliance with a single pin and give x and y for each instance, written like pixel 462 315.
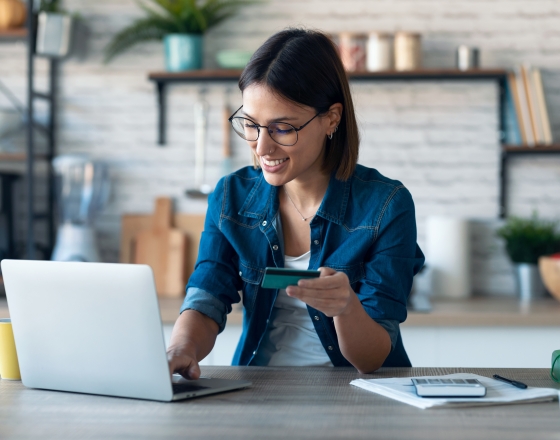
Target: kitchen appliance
pixel 82 188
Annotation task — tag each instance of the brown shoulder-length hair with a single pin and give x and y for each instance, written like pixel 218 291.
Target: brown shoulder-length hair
pixel 303 66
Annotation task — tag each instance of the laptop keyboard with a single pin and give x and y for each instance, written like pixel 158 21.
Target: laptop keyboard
pixel 179 388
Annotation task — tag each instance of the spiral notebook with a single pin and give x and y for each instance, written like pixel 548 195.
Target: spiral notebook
pixel 498 393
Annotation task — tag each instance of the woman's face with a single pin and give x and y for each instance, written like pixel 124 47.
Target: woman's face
pixel 301 161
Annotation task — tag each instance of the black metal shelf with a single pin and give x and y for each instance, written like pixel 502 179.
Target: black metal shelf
pixel 29 33
pixel 49 130
pixel 509 151
pixel 163 79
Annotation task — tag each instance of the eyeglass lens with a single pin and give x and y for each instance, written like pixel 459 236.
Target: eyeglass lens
pixel 284 134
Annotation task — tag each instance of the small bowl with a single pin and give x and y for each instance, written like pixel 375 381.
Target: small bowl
pixel 550 274
pixel 233 59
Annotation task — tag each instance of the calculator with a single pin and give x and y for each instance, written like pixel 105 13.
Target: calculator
pixel 435 387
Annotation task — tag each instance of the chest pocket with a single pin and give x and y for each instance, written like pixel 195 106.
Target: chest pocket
pixel 354 272
pixel 251 278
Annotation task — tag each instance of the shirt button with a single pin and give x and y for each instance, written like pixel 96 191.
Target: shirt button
pixel 316 241
pixel 316 318
pixel 275 247
pixel 264 223
pixel 330 347
pixel 255 352
pixel 240 273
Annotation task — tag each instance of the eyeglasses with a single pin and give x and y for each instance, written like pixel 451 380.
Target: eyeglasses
pixel 280 132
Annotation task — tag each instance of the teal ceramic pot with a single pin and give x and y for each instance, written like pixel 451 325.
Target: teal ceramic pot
pixel 183 52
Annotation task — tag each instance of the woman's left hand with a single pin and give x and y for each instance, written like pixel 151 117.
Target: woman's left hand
pixel 330 293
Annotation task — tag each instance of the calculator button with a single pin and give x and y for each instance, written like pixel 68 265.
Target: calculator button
pixel 459 381
pixel 434 381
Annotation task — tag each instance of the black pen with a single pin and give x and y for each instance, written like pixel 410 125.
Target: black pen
pixel 511 382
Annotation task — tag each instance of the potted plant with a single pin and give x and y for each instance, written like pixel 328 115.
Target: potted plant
pixel 526 241
pixel 180 24
pixel 54 30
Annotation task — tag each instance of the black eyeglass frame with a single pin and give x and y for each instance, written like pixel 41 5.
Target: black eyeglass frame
pixel 232 117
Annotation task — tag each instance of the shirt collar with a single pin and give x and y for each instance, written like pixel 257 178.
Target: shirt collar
pixel 262 201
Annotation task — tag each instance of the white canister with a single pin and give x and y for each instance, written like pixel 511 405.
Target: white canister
pixel 352 49
pixel 448 256
pixel 380 51
pixel 467 57
pixel 408 51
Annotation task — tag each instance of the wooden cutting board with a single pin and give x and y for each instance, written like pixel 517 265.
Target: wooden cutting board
pixel 191 225
pixel 164 249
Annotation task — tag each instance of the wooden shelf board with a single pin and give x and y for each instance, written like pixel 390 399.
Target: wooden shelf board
pixel 524 149
pixel 13 33
pixel 432 74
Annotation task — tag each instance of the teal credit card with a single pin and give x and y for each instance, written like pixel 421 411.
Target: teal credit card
pixel 280 278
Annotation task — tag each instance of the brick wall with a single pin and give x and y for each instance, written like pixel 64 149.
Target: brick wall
pixel 439 138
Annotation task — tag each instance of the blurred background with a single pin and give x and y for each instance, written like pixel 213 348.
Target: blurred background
pixel 459 100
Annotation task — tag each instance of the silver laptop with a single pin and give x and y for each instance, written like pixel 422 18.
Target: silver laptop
pixel 94 328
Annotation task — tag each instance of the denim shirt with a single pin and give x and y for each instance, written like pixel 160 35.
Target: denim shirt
pixel 365 227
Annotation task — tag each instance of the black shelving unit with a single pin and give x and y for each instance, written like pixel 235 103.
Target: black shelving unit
pixel 510 151
pixel 163 79
pixel 48 130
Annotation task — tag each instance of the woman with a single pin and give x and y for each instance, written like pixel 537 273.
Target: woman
pixel 305 204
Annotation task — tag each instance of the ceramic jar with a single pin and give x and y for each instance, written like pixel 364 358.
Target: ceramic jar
pixel 380 51
pixel 408 51
pixel 12 13
pixel 352 48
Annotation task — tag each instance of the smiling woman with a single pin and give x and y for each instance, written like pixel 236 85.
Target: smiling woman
pixel 305 204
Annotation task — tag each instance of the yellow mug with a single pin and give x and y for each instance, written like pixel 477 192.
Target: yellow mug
pixel 9 366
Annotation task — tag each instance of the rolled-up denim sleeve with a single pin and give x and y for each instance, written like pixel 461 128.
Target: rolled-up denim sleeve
pixel 207 304
pixel 215 283
pixel 393 260
pixel 391 327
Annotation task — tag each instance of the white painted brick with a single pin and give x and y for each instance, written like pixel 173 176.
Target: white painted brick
pixel 438 138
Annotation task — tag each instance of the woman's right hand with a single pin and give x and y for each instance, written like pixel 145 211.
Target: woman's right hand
pixel 183 362
pixel 192 339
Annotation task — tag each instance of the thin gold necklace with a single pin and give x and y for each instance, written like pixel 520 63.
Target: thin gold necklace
pixel 299 212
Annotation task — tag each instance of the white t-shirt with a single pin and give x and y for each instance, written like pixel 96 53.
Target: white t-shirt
pixel 290 338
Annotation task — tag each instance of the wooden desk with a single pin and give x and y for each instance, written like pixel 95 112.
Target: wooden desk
pixel 283 403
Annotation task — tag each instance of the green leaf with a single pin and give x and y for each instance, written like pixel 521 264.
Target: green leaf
pixel 528 239
pixel 173 16
pixel 141 30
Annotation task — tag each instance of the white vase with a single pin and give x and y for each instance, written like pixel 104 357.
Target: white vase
pixel 448 256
